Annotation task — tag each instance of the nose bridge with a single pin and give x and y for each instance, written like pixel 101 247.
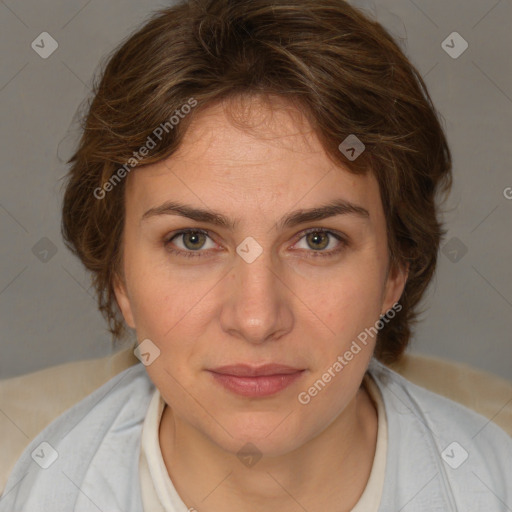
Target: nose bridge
pixel 256 308
pixel 258 278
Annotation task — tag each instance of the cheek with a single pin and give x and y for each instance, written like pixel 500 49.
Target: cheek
pixel 347 299
pixel 158 309
pixel 152 295
pixel 168 305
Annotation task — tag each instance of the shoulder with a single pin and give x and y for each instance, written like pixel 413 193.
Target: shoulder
pixel 93 444
pixel 468 453
pixel 435 411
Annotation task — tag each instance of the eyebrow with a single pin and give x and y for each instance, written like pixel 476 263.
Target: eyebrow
pixel 336 207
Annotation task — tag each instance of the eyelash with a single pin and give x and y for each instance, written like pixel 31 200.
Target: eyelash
pixel 315 254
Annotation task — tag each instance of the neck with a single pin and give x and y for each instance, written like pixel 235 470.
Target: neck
pixel 329 472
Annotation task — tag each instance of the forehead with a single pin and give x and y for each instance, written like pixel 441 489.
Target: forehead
pixel 264 154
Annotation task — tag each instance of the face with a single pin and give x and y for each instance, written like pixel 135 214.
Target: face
pixel 248 286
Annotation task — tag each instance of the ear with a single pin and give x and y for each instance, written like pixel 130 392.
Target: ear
pixel 123 301
pixel 395 284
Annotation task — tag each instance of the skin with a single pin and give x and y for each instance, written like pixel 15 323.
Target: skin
pixel 291 306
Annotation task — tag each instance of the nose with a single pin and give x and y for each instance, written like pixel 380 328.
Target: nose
pixel 257 308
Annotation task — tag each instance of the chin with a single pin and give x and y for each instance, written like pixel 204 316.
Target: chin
pixel 272 434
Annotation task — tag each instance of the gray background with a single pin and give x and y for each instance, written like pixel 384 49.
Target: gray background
pixel 47 307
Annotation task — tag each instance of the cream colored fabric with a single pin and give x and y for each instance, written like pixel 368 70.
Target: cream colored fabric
pixel 487 394
pixel 28 403
pixel 158 492
pixel 160 495
pixel 371 497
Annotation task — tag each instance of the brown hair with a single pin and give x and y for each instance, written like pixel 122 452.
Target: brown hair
pixel 342 69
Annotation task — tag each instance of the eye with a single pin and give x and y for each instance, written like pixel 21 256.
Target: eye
pixel 193 240
pixel 317 239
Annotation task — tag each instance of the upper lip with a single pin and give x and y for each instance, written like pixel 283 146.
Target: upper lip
pixel 245 370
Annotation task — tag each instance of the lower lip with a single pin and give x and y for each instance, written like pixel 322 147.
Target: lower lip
pixel 263 385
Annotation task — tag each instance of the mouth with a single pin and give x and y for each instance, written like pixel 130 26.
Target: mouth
pixel 256 381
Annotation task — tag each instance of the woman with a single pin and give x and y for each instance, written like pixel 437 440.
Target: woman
pixel 255 196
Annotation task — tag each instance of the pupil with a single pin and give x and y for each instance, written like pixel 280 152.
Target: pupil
pixel 194 239
pixel 316 237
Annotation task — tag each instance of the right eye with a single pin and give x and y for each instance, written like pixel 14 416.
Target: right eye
pixel 192 241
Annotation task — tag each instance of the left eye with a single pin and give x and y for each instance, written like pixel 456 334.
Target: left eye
pixel 318 239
